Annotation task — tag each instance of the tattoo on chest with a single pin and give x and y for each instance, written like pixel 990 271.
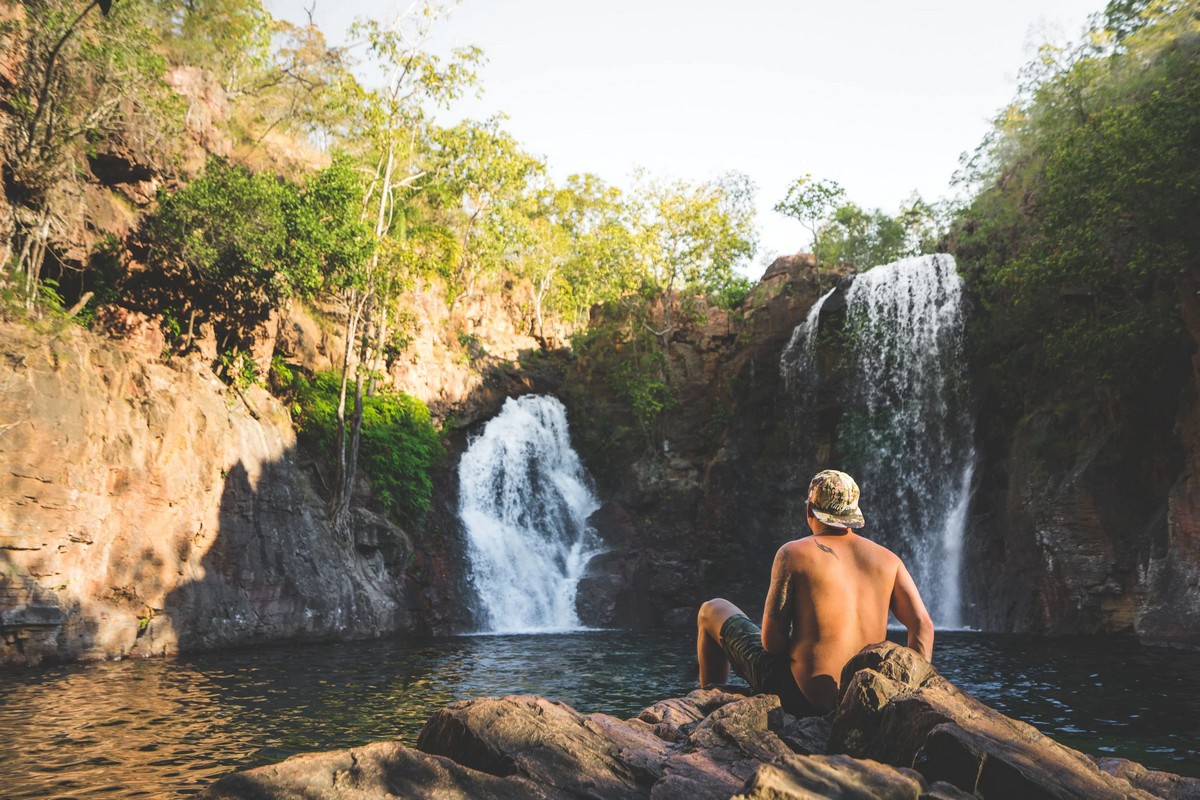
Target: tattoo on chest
pixel 828 549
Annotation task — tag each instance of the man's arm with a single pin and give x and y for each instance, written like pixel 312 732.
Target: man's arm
pixel 777 616
pixel 910 610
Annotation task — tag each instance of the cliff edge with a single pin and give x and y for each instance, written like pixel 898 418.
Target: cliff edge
pixel 146 508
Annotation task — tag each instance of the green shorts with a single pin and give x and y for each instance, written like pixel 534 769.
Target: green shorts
pixel 766 672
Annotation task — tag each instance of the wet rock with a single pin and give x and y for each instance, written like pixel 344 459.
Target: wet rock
pixel 1171 614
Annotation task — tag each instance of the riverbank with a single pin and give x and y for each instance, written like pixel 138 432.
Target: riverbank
pixel 900 730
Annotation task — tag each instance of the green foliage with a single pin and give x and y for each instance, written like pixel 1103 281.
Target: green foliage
pixel 400 445
pixel 732 294
pixel 1085 212
pixel 77 75
pixel 811 202
pixel 869 238
pixel 226 230
pixel 78 66
pixel 494 184
pixel 232 243
pixel 327 241
pixel 696 235
pixel 865 239
pixel 618 346
pixel 238 369
pixel 226 37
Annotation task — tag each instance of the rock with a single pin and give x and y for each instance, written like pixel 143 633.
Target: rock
pixel 708 744
pixel 902 730
pixel 548 742
pixel 1171 614
pixel 147 509
pixel 697 507
pixel 897 709
pixel 841 777
pixel 380 770
pixel 1160 784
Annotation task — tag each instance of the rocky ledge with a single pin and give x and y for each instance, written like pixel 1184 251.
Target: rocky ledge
pixel 900 731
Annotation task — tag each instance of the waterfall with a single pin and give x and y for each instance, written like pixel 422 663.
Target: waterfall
pixel 908 430
pixel 524 501
pixel 798 362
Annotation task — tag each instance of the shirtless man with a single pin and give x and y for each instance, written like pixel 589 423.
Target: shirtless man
pixel 829 597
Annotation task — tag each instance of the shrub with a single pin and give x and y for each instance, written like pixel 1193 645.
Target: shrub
pixel 399 447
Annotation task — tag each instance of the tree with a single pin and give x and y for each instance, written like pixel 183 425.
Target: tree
pixel 669 245
pixel 693 237
pixel 863 238
pixel 1084 217
pixel 604 261
pixel 495 185
pixel 81 72
pixel 811 202
pixel 233 244
pixel 391 125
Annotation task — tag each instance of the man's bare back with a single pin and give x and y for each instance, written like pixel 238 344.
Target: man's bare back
pixel 834 590
pixel 829 597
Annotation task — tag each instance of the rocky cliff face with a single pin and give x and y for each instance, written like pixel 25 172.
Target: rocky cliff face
pixel 700 511
pixel 1086 522
pixel 1080 523
pixel 148 509
pixel 1171 612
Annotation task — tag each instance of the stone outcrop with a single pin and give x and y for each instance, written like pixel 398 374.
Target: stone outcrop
pixel 1085 521
pixel 146 508
pixel 700 510
pixel 1171 612
pixel 900 731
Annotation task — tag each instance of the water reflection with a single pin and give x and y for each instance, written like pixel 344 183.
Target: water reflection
pixel 169 727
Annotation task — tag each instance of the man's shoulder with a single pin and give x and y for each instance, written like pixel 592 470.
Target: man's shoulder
pixel 797 545
pixel 879 552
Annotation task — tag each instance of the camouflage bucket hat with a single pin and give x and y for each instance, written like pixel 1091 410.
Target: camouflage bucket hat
pixel 834 499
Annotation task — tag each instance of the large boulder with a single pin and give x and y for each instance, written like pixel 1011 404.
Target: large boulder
pixel 146 508
pixel 896 708
pixel 383 769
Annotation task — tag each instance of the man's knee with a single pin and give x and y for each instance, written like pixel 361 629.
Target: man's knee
pixel 713 613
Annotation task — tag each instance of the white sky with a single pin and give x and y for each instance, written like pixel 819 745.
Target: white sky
pixel 879 95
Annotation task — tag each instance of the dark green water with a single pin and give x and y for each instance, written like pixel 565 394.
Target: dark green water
pixel 164 728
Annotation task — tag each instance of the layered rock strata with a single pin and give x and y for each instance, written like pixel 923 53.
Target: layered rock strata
pixel 900 731
pixel 147 508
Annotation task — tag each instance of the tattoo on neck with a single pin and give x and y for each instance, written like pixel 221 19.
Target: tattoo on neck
pixel 828 549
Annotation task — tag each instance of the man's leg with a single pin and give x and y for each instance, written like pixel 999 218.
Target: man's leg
pixel 714 667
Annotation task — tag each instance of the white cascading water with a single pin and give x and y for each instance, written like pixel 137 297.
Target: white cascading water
pixel 909 426
pixel 524 501
pixel 798 362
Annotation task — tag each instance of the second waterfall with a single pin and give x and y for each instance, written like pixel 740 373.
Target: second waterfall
pixel 905 427
pixel 524 500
